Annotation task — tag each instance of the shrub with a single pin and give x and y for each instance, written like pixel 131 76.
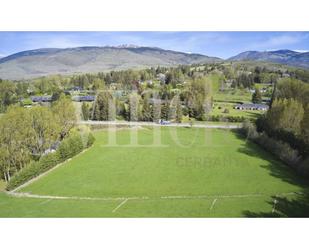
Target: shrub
pixel 249 130
pixel 281 149
pixel 24 175
pixel 91 139
pixel 64 150
pixel 304 167
pixel 223 118
pixel 226 110
pixel 284 151
pixel 68 148
pixel 50 160
pixel 295 141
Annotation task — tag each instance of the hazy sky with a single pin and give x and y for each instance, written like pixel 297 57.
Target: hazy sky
pixel 221 44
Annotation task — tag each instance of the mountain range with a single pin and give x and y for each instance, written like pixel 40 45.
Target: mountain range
pixel 40 62
pixel 288 57
pixel 48 61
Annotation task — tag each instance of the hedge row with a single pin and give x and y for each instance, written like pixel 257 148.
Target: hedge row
pixel 281 149
pixel 296 142
pixel 222 118
pixel 68 148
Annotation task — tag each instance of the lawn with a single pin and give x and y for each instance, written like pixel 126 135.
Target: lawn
pixel 221 107
pixel 233 95
pixel 2 185
pixel 228 99
pixel 206 173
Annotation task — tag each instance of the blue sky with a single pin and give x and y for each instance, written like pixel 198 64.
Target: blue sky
pixel 221 44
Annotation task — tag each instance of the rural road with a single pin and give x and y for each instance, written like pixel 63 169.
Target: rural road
pixel 115 123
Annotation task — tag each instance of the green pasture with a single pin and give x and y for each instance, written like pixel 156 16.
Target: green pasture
pixel 189 173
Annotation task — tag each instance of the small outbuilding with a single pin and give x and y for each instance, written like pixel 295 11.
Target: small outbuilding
pixel 257 107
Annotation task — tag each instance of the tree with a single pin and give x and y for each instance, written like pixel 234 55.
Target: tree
pixel 305 125
pixel 164 109
pixel 56 95
pixel 64 113
pixel 134 107
pixel 85 111
pixel 5 166
pixel 25 133
pixel 175 110
pixel 98 84
pixel 245 80
pixel 104 107
pixel 198 98
pixel 7 95
pixel 178 110
pixel 291 88
pixel 169 78
pixel 42 85
pixel 256 96
pixel 46 128
pixel 286 114
pixel 16 136
pixel 147 110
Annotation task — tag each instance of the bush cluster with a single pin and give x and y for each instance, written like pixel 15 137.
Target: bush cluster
pixel 223 118
pixel 296 142
pixel 279 148
pixel 68 148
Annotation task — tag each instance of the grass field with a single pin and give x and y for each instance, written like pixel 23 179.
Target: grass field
pixel 233 95
pixel 252 114
pixel 215 173
pixel 228 99
pixel 2 185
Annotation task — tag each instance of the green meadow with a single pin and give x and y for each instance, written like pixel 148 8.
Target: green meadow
pixel 169 172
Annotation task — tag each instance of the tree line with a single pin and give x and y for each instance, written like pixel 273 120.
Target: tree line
pixel 284 129
pixel 194 100
pixel 26 133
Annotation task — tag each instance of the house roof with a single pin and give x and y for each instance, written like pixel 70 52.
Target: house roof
pixel 259 106
pixel 41 98
pixel 84 98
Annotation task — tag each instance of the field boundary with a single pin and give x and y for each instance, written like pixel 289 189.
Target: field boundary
pixel 125 199
pixel 46 172
pixel 228 125
pixel 121 204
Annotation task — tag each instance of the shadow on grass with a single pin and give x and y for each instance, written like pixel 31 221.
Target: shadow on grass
pixel 252 114
pixel 298 207
pixel 293 206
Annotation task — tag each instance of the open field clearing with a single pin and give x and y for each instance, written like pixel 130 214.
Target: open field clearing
pixel 227 109
pixel 234 96
pixel 191 173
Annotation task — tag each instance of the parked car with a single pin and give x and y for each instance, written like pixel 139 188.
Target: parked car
pixel 164 122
